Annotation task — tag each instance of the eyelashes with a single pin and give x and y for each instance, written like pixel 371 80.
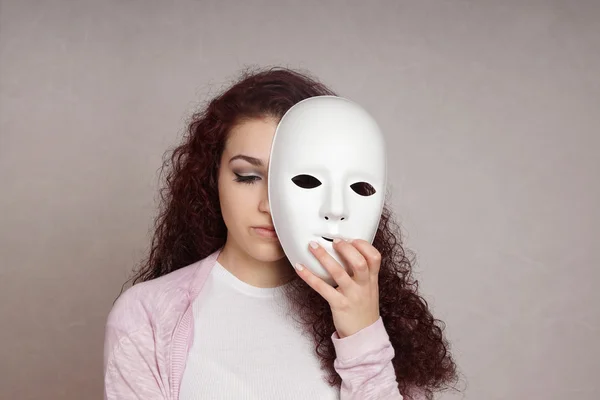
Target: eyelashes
pixel 249 180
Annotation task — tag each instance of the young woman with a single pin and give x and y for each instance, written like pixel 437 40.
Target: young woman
pixel 218 311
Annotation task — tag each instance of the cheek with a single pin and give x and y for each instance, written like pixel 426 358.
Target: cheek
pixel 237 201
pixel 227 200
pixel 233 214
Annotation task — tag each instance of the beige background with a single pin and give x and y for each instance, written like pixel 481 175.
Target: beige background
pixel 491 110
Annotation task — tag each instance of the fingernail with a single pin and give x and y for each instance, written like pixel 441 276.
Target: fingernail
pixel 298 266
pixel 314 244
pixel 336 240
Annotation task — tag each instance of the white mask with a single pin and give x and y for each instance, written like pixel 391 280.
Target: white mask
pixel 324 150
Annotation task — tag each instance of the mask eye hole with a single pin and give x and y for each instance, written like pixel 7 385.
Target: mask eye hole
pixel 363 188
pixel 306 181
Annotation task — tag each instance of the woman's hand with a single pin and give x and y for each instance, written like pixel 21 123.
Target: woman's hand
pixel 355 302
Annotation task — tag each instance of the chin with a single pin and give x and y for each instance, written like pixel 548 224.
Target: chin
pixel 267 251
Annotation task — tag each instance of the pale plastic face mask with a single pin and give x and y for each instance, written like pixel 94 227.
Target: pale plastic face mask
pixel 327 178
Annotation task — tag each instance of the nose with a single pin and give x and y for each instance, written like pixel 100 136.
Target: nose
pixel 263 205
pixel 334 207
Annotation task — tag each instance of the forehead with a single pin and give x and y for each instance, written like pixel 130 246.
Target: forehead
pixel 252 137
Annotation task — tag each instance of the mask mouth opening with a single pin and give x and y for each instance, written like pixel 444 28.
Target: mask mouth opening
pixel 329 240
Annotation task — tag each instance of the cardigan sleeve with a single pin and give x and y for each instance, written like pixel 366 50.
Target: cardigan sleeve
pixel 131 363
pixel 131 372
pixel 364 362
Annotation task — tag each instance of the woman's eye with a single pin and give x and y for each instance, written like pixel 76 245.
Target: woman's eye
pixel 246 179
pixel 363 188
pixel 306 181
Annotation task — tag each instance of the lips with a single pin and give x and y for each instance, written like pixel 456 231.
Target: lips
pixel 267 227
pixel 265 232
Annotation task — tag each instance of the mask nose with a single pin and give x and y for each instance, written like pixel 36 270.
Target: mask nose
pixel 334 207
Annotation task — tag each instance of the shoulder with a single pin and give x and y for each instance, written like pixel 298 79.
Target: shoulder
pixel 147 302
pixel 146 315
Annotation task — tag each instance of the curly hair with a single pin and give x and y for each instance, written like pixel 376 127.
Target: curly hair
pixel 190 227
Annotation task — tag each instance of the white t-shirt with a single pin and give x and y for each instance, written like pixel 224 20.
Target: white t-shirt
pixel 246 347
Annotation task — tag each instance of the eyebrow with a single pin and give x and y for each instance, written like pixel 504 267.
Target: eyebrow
pixel 252 160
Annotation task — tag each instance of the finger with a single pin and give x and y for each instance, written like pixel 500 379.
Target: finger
pixel 370 253
pixel 355 259
pixel 329 293
pixel 337 272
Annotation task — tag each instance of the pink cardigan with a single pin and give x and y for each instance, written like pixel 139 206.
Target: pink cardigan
pixel 150 330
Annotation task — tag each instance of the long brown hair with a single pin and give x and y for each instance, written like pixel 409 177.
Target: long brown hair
pixel 189 227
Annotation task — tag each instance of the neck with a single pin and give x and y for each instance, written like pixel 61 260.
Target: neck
pixel 262 274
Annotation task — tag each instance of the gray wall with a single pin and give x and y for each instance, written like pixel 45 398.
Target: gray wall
pixel 491 113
